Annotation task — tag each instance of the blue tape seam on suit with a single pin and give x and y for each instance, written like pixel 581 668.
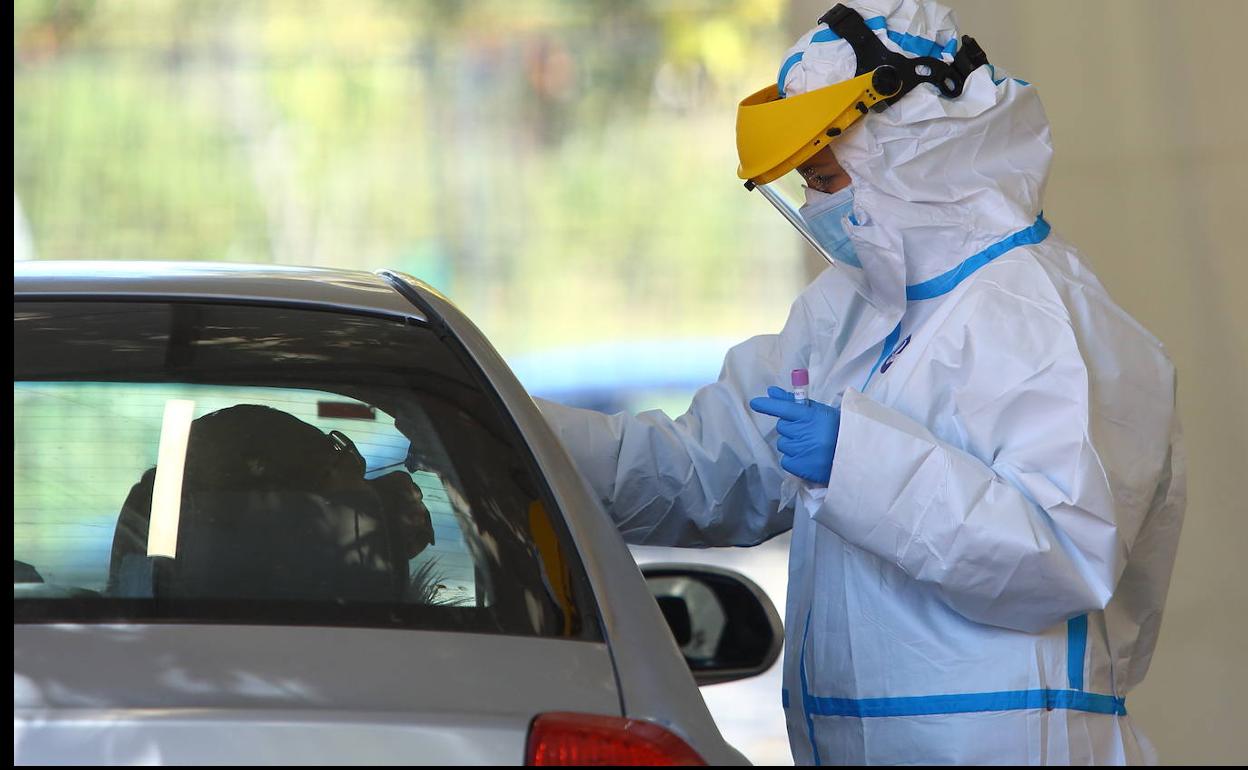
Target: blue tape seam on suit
pixel 1076 645
pixel 964 703
pixel 946 282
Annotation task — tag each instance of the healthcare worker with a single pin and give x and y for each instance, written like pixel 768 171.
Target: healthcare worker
pixel 986 485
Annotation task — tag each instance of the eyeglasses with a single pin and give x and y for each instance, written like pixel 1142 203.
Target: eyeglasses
pixel 815 180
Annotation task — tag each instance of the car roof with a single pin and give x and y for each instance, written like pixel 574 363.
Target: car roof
pixel 687 363
pixel 354 290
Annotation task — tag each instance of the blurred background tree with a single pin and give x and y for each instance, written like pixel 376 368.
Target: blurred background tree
pixel 514 154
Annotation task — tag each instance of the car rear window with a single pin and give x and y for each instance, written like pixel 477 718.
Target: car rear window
pixel 230 463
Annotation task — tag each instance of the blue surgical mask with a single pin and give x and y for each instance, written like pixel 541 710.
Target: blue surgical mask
pixel 824 215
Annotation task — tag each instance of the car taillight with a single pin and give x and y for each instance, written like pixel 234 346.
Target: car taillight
pixel 561 739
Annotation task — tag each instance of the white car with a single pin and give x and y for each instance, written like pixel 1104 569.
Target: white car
pixel 297 516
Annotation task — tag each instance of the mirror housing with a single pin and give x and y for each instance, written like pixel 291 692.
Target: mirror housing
pixel 725 625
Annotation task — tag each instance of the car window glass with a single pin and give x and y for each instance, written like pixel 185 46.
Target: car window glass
pixel 328 469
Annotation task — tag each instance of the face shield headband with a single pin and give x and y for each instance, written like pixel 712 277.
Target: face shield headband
pixel 872 54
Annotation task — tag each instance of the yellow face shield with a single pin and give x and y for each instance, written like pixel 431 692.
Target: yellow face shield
pixel 776 135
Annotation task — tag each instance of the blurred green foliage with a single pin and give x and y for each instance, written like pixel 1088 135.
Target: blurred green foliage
pixel 564 169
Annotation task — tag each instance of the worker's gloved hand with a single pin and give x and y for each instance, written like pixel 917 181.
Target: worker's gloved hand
pixel 807 433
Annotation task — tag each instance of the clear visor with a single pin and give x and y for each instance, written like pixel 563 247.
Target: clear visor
pixel 788 195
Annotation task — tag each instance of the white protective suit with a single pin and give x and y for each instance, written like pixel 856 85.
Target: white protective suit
pixel 982 579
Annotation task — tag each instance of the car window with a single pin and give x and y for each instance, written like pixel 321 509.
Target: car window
pixel 233 463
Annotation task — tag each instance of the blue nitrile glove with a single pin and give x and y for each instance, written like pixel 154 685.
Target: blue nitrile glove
pixel 807 433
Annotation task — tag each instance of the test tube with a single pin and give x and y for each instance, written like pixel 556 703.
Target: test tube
pixel 800 379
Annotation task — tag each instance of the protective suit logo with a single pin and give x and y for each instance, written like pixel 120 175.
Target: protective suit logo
pixel 893 356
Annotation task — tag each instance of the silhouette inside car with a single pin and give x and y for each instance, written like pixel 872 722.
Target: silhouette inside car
pixel 273 508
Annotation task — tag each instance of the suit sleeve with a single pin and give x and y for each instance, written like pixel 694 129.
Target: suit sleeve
pixel 708 478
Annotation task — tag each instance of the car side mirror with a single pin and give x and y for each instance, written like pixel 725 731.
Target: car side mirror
pixel 724 624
